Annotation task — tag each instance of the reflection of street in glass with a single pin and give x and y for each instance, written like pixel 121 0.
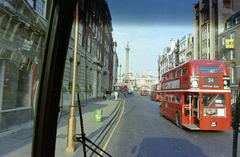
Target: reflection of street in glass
pixel 210 112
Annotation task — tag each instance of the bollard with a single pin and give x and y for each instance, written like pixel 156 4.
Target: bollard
pixel 98 115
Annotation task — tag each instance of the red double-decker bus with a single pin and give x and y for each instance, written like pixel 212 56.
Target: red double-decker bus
pixel 125 87
pixel 156 92
pixel 197 95
pixel 143 90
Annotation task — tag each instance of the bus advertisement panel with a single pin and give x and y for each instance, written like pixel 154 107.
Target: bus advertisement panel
pixel 197 95
pixel 156 92
pixel 143 90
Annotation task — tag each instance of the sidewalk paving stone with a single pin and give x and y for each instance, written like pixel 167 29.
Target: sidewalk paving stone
pixel 20 143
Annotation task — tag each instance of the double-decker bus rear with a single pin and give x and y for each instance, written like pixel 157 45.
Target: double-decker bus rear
pixel 196 95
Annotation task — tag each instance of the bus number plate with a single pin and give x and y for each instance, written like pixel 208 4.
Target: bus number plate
pixel 210 80
pixel 213 123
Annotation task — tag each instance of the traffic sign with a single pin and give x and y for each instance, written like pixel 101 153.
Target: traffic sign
pixel 229 43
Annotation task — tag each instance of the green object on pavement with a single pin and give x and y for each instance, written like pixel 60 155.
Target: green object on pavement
pixel 98 115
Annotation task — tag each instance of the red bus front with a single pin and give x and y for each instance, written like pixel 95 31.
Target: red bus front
pixel 125 87
pixel 143 90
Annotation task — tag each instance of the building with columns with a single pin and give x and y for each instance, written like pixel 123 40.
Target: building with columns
pixel 149 77
pixel 150 73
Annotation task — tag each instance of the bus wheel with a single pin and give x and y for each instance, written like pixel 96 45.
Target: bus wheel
pixel 177 120
pixel 160 111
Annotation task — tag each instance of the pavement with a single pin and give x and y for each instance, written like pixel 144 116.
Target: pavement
pixel 19 143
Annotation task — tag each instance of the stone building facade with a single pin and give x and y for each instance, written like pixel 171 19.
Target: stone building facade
pixel 23 25
pixel 231 56
pixel 97 58
pixel 185 49
pixel 209 22
pixel 167 59
pixel 22 35
pixel 136 81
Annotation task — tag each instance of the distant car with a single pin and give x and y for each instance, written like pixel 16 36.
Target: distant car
pixel 129 91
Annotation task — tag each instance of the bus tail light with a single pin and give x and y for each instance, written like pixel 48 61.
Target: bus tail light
pixel 194 82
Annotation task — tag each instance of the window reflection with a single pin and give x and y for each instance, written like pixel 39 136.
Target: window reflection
pixel 22 35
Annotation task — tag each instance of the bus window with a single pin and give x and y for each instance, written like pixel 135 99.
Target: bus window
pixel 166 97
pixel 167 76
pixel 164 78
pixel 178 99
pixel 187 99
pixel 184 85
pixel 173 98
pixel 210 69
pixel 178 72
pixel 213 100
pixel 184 71
pixel 174 74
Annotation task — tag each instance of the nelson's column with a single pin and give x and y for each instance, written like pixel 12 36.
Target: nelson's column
pixel 127 66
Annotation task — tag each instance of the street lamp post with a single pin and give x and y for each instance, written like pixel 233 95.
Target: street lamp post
pixel 72 119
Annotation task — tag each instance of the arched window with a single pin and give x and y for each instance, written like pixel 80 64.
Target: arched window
pixel 234 74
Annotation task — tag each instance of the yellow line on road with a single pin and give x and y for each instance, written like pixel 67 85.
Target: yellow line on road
pixel 106 144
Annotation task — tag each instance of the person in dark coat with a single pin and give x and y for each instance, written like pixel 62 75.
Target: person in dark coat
pixel 107 95
pixel 104 96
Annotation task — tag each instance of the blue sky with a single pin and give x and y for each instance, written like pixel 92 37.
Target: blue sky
pixel 148 26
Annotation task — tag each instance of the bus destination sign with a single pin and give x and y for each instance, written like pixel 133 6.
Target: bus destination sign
pixel 211 86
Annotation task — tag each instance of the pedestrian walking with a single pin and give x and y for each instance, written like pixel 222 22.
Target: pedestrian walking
pixel 116 95
pixel 112 95
pixel 104 96
pixel 107 95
